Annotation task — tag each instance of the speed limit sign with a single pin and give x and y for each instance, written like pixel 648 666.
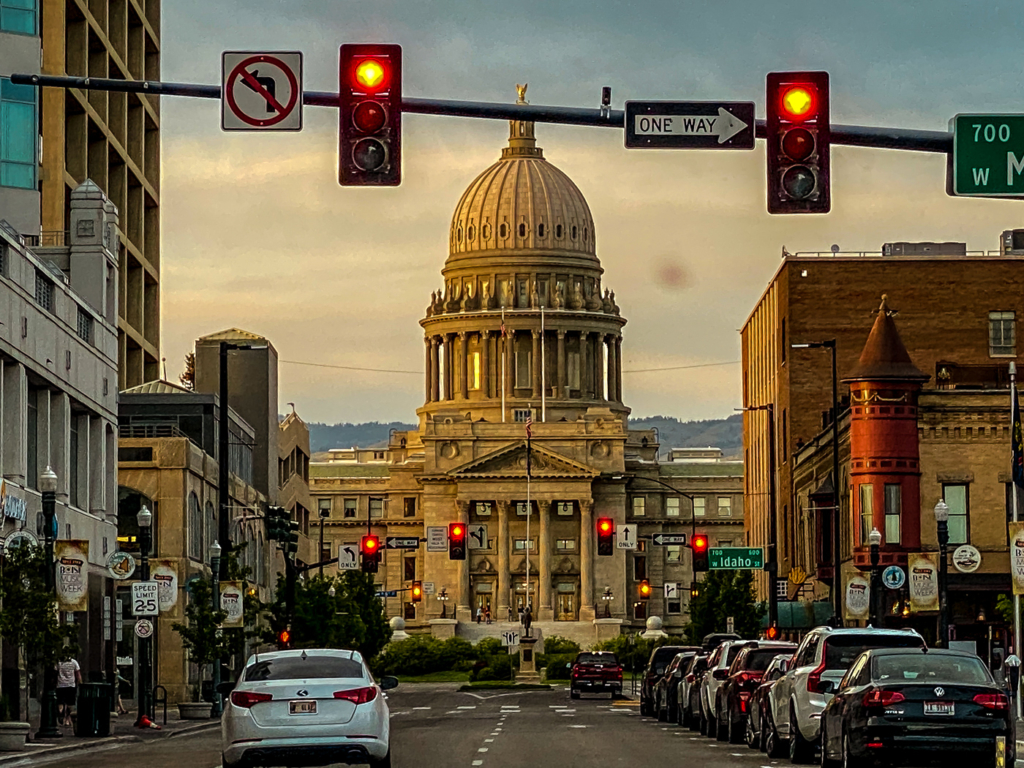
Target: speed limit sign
pixel 145 598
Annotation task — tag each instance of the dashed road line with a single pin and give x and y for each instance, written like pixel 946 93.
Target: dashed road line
pixel 473 706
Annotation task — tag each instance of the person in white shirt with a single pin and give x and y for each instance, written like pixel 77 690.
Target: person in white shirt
pixel 69 677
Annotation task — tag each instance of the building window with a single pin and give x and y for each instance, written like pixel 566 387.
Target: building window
pixel 350 507
pixel 673 553
pixel 73 462
pixel 44 292
pixel 521 508
pixel 639 506
pixel 725 506
pixel 565 508
pixel 409 566
pixel 565 545
pixel 893 504
pixel 18 16
pixel 521 545
pixel 19 131
pixel 409 611
pixel 699 503
pixel 640 610
pixel 483 508
pixel 1001 334
pixel 410 506
pixel 521 415
pixel 376 507
pixel 867 511
pixel 523 369
pixel 639 567
pixel 672 506
pixel 324 507
pixel 673 606
pixel 195 528
pixel 524 295
pixel 474 371
pixel 725 541
pixel 957 498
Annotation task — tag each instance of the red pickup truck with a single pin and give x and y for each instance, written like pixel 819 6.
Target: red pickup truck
pixel 595 672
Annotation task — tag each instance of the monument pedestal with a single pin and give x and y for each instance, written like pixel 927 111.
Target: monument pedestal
pixel 607 629
pixel 442 629
pixel 527 661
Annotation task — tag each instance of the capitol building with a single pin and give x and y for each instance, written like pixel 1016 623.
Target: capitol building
pixel 525 329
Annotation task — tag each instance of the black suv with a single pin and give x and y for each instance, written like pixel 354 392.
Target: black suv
pixel 656 665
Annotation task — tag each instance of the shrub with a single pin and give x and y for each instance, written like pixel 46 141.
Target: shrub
pixel 417 655
pixel 559 665
pixel 489 646
pixel 556 644
pixel 455 650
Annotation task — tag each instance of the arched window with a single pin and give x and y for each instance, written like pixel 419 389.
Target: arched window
pixel 522 230
pixel 558 231
pixel 195 528
pixel 503 230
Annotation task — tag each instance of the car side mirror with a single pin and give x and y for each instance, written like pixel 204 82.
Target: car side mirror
pixel 826 686
pixel 720 674
pixel 678 674
pixel 388 682
pixel 784 666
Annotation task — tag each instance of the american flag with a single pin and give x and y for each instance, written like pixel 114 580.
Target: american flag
pixel 529 426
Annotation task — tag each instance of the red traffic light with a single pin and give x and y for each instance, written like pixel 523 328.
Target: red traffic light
pixel 284 639
pixel 798 102
pixel 605 525
pixel 798 133
pixel 456 531
pixel 369 545
pixel 645 589
pixel 699 543
pixel 773 632
pixel 371 75
pixel 370 131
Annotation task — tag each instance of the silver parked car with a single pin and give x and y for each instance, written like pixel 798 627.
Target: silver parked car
pixel 307 707
pixel 797 699
pixel 718 670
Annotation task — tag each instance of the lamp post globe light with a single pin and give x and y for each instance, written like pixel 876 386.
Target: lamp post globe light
pixel 875 541
pixel 607 597
pixel 145 696
pixel 215 552
pixel 443 597
pixel 942 524
pixel 48 710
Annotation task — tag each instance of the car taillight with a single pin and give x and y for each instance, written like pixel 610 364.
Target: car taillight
pixel 690 678
pixel 617 671
pixel 814 676
pixel 357 695
pixel 246 699
pixel 882 698
pixel 748 677
pixel 992 701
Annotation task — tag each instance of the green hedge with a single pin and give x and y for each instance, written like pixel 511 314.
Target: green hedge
pixel 422 654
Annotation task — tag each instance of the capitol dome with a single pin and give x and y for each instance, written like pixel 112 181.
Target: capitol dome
pixel 522 202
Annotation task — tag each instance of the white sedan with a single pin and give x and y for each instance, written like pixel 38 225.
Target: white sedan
pixel 307 708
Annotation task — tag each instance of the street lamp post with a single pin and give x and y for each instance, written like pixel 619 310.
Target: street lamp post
pixel 215 551
pixel 607 597
pixel 443 597
pixel 48 712
pixel 942 523
pixel 145 520
pixel 875 540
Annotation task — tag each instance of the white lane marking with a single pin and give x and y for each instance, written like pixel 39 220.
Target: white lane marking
pixel 488 741
pixel 579 726
pixel 736 754
pixel 478 762
pixel 492 696
pixel 482 749
pixel 469 707
pixel 555 706
pixel 454 712
pixel 421 708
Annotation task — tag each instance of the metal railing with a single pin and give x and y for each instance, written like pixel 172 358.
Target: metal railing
pixel 149 430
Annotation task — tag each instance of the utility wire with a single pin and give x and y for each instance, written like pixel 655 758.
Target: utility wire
pixel 420 373
pixel 685 367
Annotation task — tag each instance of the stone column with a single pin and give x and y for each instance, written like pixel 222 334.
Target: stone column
pixel 435 371
pixel 535 364
pixel 618 369
pixel 584 367
pixel 544 583
pixel 463 383
pixel 485 363
pixel 586 560
pixel 447 341
pixel 510 363
pixel 599 369
pixel 561 388
pixel 464 611
pixel 504 508
pixel 428 384
pixel 613 366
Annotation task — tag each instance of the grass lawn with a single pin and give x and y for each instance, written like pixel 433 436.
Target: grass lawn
pixel 436 677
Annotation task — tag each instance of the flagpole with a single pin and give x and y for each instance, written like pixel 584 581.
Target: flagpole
pixel 504 346
pixel 1014 417
pixel 543 374
pixel 529 514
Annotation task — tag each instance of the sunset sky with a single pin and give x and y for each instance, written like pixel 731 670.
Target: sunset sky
pixel 258 234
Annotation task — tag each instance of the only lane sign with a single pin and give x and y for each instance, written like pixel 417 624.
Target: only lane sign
pixel 988 155
pixel 664 539
pixel 689 125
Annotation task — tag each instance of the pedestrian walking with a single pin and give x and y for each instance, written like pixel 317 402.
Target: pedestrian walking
pixel 479 614
pixel 509 614
pixel 69 677
pixel 520 615
pixel 487 614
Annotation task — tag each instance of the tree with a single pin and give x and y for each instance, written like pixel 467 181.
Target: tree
pixel 724 594
pixel 200 634
pixel 29 616
pixel 188 376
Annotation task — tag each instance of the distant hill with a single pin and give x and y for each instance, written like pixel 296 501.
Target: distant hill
pixel 726 434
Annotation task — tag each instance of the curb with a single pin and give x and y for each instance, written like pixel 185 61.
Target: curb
pixel 197 728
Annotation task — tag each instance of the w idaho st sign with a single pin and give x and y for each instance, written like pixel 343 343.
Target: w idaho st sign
pixel 988 155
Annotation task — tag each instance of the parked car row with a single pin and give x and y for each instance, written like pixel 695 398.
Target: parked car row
pixel 853 696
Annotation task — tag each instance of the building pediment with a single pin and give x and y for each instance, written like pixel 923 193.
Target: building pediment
pixel 510 462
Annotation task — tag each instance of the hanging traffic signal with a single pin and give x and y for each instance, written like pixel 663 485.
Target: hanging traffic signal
pixel 695 590
pixel 284 640
pixel 290 539
pixel 370 151
pixel 369 549
pixel 276 521
pixel 773 632
pixel 645 590
pixel 699 545
pixel 417 591
pixel 799 141
pixel 456 541
pixel 605 536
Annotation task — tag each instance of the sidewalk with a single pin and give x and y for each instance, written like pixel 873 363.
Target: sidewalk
pixel 122 731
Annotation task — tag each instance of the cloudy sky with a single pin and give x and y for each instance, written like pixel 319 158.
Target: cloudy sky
pixel 258 234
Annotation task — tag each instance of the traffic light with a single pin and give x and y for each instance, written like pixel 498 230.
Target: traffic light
pixel 284 640
pixel 456 541
pixel 290 541
pixel 417 591
pixel 370 135
pixel 276 521
pixel 645 590
pixel 799 138
pixel 695 590
pixel 369 548
pixel 699 545
pixel 773 632
pixel 605 536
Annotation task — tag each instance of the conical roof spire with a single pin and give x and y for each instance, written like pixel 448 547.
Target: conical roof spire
pixel 884 357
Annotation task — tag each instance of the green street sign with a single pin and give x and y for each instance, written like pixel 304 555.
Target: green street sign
pixel 988 155
pixel 736 558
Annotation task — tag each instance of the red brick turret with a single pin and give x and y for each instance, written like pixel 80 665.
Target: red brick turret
pixel 884 458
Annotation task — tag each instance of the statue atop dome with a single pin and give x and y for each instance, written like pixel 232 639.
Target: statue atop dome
pixel 521 90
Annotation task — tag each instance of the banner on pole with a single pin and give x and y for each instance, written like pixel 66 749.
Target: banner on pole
pixel 924 581
pixel 165 574
pixel 232 603
pixel 857 605
pixel 72 564
pixel 1017 557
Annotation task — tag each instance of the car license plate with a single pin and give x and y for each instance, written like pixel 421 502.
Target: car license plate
pixel 302 707
pixel 938 707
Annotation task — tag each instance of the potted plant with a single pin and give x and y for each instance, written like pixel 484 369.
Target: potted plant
pixel 201 638
pixel 28 621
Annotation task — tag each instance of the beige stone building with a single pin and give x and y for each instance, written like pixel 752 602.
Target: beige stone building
pixel 523 331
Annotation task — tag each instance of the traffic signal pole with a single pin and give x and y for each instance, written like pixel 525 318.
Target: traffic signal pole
pixel 849 135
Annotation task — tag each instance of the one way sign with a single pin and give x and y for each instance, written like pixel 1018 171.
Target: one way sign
pixel 689 125
pixel 664 539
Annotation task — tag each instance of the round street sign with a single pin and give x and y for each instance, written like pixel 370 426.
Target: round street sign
pixel 966 558
pixel 893 577
pixel 120 565
pixel 144 628
pixel 18 539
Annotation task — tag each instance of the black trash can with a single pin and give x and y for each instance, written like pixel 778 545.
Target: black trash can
pixel 93 709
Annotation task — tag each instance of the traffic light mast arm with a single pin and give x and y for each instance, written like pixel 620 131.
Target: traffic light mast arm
pixel 849 135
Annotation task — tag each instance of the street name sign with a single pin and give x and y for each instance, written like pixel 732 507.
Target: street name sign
pixel 387 593
pixel 626 537
pixel 348 557
pixel 261 91
pixel 437 538
pixel 988 155
pixel 689 125
pixel 664 539
pixel 402 542
pixel 145 598
pixel 735 558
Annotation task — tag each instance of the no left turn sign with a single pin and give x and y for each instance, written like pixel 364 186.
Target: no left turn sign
pixel 261 91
